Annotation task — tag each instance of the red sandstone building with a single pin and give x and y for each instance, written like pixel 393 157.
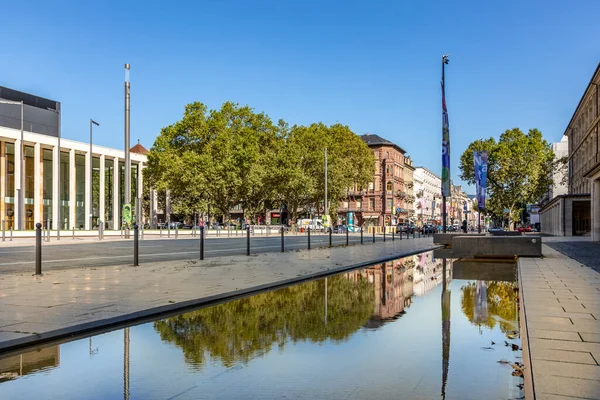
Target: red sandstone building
pixel 385 200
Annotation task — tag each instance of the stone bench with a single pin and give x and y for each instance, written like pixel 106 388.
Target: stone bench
pixel 496 246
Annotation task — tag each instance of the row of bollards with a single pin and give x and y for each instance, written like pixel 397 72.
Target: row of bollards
pixel 136 237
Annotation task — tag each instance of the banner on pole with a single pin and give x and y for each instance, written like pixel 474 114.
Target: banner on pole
pixel 480 159
pixel 445 148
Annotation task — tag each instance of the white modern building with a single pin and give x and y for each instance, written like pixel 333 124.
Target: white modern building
pixel 42 182
pixel 427 189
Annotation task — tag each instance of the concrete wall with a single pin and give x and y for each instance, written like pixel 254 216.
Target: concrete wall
pixel 496 246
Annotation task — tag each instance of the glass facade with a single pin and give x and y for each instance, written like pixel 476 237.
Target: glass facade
pixel 64 190
pixel 47 187
pixel 80 199
pixel 108 193
pixel 95 192
pixel 29 187
pixel 9 199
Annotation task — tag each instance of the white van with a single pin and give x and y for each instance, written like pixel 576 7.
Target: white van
pixel 315 224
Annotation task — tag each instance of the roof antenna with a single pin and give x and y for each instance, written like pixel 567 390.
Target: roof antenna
pixel 138 141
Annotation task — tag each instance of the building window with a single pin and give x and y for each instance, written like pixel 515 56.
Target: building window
pixel 371 204
pixel 80 199
pixel 64 190
pixel 389 186
pixel 358 204
pixel 95 191
pixel 371 186
pixel 47 187
pixel 387 155
pixel 9 199
pixel 389 204
pixel 108 193
pixel 389 169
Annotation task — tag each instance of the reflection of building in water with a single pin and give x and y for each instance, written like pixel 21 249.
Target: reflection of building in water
pixel 27 363
pixel 428 272
pixel 392 283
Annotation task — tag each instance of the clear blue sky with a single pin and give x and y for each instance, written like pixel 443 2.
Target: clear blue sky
pixel 374 66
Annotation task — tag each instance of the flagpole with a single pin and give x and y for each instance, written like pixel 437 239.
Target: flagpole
pixel 445 61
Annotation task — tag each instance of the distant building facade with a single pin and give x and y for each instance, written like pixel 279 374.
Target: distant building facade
pixel 384 202
pixel 428 193
pixel 32 168
pixel 578 211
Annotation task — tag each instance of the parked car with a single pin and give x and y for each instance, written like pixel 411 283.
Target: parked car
pixel 428 229
pixel 354 228
pixel 339 228
pixel 525 229
pixel 405 228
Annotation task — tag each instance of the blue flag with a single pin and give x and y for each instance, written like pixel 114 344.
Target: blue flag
pixel 481 164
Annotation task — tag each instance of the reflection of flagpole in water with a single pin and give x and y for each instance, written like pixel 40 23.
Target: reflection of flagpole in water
pixel 126 365
pixel 480 310
pixel 383 284
pixel 325 301
pixel 445 329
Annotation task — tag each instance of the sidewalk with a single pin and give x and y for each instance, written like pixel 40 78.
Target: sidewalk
pixel 62 303
pixel 560 300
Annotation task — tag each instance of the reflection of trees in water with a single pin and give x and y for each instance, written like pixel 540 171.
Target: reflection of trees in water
pixel 501 304
pixel 242 329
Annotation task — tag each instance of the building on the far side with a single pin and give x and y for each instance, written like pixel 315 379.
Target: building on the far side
pixel 578 211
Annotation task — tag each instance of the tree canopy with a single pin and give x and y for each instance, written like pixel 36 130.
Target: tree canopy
pixel 520 168
pixel 235 156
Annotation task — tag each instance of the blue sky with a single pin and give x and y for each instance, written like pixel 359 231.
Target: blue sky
pixel 374 66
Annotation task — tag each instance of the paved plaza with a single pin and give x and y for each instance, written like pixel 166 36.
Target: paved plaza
pixel 561 307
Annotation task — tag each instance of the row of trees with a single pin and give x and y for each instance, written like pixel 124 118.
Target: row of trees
pixel 520 169
pixel 235 156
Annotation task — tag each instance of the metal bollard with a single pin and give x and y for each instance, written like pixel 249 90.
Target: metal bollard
pixel 73 233
pixel 393 234
pixel 373 234
pixel 11 232
pixel 3 231
pixel 160 231
pixel 247 240
pixel 99 232
pixel 308 230
pixel 361 235
pixel 400 234
pixel 282 245
pixel 176 231
pixel 202 243
pixel 38 249
pixel 384 233
pixel 135 245
pixel 330 233
pixel 347 236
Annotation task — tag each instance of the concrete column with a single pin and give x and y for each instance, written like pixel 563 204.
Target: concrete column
pixel 18 171
pixel 88 190
pixel 116 211
pixel 72 192
pixel 101 192
pixel 55 186
pixel 38 188
pixel 595 208
pixel 2 181
pixel 153 208
pixel 140 195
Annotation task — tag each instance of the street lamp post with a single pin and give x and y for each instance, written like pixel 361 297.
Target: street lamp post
pixel 127 159
pixel 445 61
pixel 92 123
pixel 21 197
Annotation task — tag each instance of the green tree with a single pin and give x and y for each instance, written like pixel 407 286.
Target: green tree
pixel 239 330
pixel 520 168
pixel 501 301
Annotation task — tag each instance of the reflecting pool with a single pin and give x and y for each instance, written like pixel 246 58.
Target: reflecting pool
pixel 405 329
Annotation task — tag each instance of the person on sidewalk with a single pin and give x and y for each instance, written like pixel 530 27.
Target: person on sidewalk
pixel 464 226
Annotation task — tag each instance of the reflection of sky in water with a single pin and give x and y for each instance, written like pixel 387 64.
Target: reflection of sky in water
pixel 401 359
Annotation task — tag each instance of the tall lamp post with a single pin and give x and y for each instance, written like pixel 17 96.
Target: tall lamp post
pixel 21 196
pixel 57 111
pixel 127 159
pixel 92 123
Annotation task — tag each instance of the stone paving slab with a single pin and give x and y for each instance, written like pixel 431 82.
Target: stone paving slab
pixel 561 306
pixel 34 309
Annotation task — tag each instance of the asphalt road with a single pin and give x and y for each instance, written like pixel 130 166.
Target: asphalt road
pixel 105 253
